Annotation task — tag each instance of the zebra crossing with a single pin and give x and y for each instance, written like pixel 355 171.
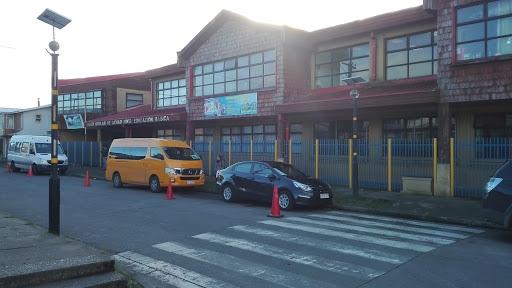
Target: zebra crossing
pixel 315 250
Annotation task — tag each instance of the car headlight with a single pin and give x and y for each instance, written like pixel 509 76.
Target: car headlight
pixel 303 187
pixel 493 182
pixel 43 161
pixel 201 172
pixel 170 171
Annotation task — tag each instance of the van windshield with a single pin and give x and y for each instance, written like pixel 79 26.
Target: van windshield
pixel 47 148
pixel 180 153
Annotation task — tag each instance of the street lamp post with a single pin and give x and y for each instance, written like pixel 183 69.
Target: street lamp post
pixel 355 167
pixel 57 21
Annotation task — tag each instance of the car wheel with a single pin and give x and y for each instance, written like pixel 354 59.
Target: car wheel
pixel 154 184
pixel 13 167
pixel 286 201
pixel 228 193
pixel 34 169
pixel 116 180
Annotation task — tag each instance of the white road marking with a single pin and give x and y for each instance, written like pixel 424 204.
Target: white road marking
pixel 326 245
pixel 412 222
pixel 351 236
pixel 168 273
pixel 272 275
pixel 423 238
pixel 310 260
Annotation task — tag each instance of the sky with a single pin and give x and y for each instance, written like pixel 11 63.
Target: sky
pixel 111 37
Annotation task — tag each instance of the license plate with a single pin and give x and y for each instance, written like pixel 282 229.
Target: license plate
pixel 324 195
pixel 191 181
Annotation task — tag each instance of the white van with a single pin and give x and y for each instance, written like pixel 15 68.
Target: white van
pixel 34 151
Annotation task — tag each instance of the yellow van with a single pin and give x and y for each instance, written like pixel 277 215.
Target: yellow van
pixel 153 162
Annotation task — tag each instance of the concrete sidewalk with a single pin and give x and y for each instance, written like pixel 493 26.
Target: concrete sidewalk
pixel 29 254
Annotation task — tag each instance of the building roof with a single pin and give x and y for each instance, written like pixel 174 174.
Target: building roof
pixel 372 24
pixel 140 114
pixel 8 110
pixel 67 82
pixel 164 71
pixel 402 92
pixel 224 16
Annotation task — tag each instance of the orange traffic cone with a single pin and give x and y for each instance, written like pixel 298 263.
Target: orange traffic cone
pixel 86 182
pixel 275 204
pixel 7 169
pixel 169 192
pixel 30 171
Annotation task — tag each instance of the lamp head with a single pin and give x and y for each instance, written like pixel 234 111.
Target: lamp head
pixel 354 93
pixel 54 46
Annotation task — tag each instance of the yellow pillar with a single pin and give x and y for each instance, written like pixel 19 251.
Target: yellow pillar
pixel 210 158
pixel 350 163
pixel 290 150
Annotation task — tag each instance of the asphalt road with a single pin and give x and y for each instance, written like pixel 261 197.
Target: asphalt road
pixel 197 240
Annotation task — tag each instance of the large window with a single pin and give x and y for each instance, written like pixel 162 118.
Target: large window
pixel 9 122
pixel 413 128
pixel 341 130
pixel 91 101
pixel 484 30
pixel 416 128
pixel 493 133
pixel 411 56
pixel 490 126
pixel 133 100
pixel 202 137
pixel 171 93
pixel 262 136
pixel 172 134
pixel 248 72
pixel 333 66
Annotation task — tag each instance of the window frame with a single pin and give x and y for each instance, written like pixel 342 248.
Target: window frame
pixel 236 135
pixel 169 133
pixel 209 79
pixel 92 101
pixel 171 93
pixel 134 94
pixel 433 60
pixel 458 55
pixel 9 122
pixel 349 71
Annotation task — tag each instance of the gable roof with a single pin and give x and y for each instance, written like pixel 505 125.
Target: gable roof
pixel 66 82
pixel 164 71
pixel 218 21
pixel 372 24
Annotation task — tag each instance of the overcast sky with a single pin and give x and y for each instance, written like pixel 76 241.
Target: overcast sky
pixel 115 37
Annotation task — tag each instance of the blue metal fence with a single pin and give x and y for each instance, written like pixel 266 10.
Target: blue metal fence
pixel 474 160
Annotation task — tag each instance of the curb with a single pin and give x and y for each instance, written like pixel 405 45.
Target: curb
pixel 412 216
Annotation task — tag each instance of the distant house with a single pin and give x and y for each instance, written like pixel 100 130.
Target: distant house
pixel 31 121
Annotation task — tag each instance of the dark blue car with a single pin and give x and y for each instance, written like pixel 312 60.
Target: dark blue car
pixel 497 202
pixel 255 180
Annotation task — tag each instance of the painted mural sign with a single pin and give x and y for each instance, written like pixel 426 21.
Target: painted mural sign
pixel 138 120
pixel 74 121
pixel 231 105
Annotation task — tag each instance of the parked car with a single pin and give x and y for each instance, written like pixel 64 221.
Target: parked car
pixel 255 180
pixel 498 196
